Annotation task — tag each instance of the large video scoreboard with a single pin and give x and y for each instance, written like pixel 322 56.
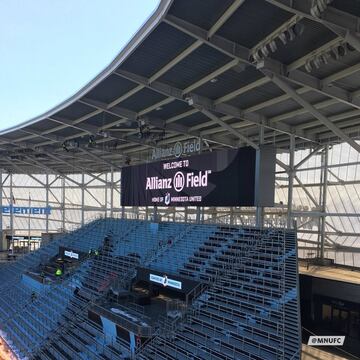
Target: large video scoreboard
pixel 221 178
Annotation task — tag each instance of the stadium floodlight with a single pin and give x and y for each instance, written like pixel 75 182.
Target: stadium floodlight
pixel 144 128
pixel 314 11
pixel 65 147
pixel 334 53
pixel 308 66
pixel 290 34
pixel 190 101
pixel 319 6
pixel 265 51
pixel 91 140
pixel 104 134
pixel 317 62
pixel 324 58
pixel 350 48
pixel 282 38
pixel 341 50
pixel 322 5
pixel 257 56
pixel 298 29
pixel 273 46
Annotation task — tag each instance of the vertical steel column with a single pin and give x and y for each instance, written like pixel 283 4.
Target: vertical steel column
pixel 324 159
pixel 199 209
pixel 112 192
pixel 186 214
pixel 82 199
pixel 232 215
pixel 122 207
pixel 155 214
pixel 63 203
pixel 11 213
pixel 1 203
pixel 291 175
pixel 198 214
pixel 47 202
pixel 106 194
pixel 260 209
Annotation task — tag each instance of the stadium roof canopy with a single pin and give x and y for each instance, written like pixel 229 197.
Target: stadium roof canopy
pixel 229 72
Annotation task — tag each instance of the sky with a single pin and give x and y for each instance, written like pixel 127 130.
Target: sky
pixel 49 49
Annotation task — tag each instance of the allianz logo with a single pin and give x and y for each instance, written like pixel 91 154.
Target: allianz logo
pixel 179 181
pixel 176 150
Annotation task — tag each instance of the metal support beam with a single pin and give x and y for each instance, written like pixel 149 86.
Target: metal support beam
pixel 63 203
pixel 1 204
pixel 259 209
pixel 207 104
pixel 291 173
pixel 12 213
pixel 83 198
pixel 47 201
pixel 325 156
pixel 307 192
pixel 106 196
pixel 306 105
pixel 307 157
pixel 112 192
pixel 229 128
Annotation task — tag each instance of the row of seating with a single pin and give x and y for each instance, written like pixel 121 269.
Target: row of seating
pixel 127 244
pixel 29 315
pixel 250 310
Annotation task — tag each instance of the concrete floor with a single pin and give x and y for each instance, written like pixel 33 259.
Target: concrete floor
pixel 315 353
pixel 5 352
pixel 330 272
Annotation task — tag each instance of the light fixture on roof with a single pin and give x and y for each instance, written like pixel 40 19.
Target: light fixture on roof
pixel 127 160
pixel 350 47
pixel 273 46
pixel 284 35
pixel 214 80
pixel 158 108
pixel 318 7
pixel 334 53
pixel 144 128
pixel 265 51
pixel 257 56
pixel 290 34
pixel 298 29
pixel 104 134
pixel 282 38
pixel 324 58
pixel 341 50
pixel 308 66
pixel 70 144
pixel 317 62
pixel 91 141
pixel 189 100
